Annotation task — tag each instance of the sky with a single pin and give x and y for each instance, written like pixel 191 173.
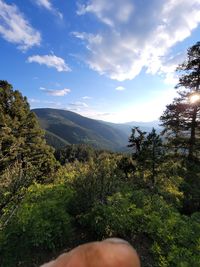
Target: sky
pixel 107 60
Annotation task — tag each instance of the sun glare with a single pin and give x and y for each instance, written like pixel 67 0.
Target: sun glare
pixel 194 98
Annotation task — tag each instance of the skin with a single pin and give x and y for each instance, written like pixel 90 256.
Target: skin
pixel 108 253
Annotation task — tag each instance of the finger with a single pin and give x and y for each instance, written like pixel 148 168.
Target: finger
pixel 112 252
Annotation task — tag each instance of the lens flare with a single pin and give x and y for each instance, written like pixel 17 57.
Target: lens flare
pixel 194 98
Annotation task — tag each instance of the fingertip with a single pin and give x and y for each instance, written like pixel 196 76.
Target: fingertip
pixel 124 250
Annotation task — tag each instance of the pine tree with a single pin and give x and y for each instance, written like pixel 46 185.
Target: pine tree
pixel 136 140
pixel 21 138
pixel 24 155
pixel 148 151
pixel 152 153
pixel 181 119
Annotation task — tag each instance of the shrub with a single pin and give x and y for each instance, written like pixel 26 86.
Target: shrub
pixel 42 223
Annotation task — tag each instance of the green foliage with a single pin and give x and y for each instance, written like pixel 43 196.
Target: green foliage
pixel 21 138
pixel 127 165
pixel 182 127
pixel 13 186
pixel 93 181
pixel 181 118
pixel 71 153
pixel 24 155
pixel 136 140
pixel 148 152
pixel 175 238
pixel 118 217
pixel 191 187
pixel 41 223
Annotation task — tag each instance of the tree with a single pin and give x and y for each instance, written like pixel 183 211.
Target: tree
pixel 126 164
pixel 24 155
pixel 152 153
pixel 148 151
pixel 136 140
pixel 21 138
pixel 71 153
pixel 181 119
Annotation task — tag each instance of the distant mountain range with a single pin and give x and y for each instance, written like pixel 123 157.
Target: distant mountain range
pixel 144 126
pixel 65 127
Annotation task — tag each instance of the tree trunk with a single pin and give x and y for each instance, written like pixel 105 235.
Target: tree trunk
pixel 153 165
pixel 192 134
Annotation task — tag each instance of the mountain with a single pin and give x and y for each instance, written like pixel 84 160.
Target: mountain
pixel 144 126
pixel 65 127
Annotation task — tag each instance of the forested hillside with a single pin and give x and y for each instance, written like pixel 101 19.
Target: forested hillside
pixel 66 127
pixel 52 201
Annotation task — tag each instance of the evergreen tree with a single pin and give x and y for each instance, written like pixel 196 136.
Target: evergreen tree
pixel 136 140
pixel 24 155
pixel 181 119
pixel 148 151
pixel 152 154
pixel 71 153
pixel 126 164
pixel 21 138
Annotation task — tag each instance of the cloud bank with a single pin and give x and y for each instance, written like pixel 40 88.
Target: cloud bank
pixel 137 37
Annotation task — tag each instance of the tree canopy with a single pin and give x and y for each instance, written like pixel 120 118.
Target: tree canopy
pixel 181 119
pixel 24 155
pixel 21 138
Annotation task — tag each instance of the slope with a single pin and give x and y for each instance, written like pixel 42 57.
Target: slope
pixel 66 127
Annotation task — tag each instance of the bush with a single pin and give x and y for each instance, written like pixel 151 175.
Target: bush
pixel 118 217
pixel 42 223
pixel 174 238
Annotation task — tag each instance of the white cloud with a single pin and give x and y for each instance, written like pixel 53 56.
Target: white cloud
pixel 91 38
pixel 51 92
pixel 51 61
pixel 16 29
pixel 79 104
pixel 48 5
pixel 142 39
pixel 120 88
pixel 86 97
pixel 121 12
pixel 44 3
pixel 94 114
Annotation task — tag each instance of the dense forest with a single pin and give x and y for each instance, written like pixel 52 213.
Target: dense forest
pixel 53 200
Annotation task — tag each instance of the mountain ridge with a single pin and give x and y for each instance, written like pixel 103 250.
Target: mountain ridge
pixel 64 127
pixel 76 129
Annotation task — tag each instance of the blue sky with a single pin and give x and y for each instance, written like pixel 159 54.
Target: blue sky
pixel 109 60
